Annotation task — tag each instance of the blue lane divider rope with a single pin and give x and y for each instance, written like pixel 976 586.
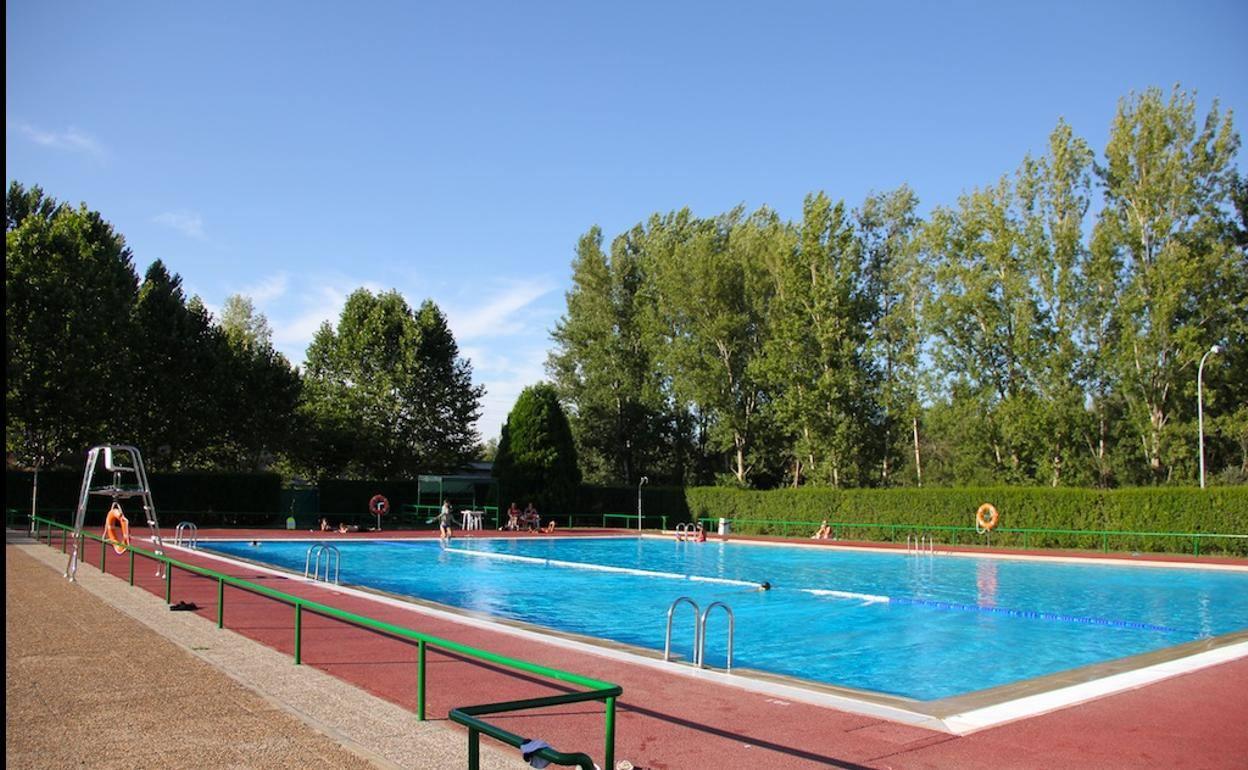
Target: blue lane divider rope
pixel 1038 615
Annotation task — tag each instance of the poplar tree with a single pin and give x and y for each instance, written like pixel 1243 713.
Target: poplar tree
pixel 1167 181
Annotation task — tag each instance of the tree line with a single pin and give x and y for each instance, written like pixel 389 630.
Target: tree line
pixel 1044 329
pixel 94 355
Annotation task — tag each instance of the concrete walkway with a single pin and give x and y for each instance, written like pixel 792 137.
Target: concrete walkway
pixel 101 675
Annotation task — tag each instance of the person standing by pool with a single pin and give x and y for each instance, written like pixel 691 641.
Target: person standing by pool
pixel 513 517
pixel 444 521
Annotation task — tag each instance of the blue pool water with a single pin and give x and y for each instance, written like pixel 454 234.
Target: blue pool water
pixel 921 627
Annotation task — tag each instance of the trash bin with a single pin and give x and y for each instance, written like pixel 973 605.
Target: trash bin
pixel 725 526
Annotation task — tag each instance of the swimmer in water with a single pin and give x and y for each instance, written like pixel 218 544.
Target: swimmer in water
pixel 764 586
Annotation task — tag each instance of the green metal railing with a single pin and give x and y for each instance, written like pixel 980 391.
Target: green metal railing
pixel 1026 537
pixel 598 690
pixel 633 517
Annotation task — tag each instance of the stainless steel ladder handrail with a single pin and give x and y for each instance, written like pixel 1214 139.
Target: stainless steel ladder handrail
pixel 332 558
pixel 701 636
pixel 667 638
pixel 919 544
pixel 186 533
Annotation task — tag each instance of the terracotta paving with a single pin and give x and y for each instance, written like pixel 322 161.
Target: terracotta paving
pixel 1192 720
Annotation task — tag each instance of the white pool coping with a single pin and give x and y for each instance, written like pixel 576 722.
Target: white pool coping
pixel 963 723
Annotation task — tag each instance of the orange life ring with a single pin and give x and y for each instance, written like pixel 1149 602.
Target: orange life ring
pixel 117 520
pixel 988 522
pixel 379 505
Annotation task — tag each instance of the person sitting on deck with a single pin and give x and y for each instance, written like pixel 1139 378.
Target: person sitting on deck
pixel 531 520
pixel 342 528
pixel 325 526
pixel 513 517
pixel 823 533
pixel 549 529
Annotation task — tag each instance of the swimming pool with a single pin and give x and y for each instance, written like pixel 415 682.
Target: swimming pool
pixel 920 627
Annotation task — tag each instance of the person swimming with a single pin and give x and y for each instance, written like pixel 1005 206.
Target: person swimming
pixel 764 586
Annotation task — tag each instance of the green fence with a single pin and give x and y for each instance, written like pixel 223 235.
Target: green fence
pixel 1103 540
pixel 598 690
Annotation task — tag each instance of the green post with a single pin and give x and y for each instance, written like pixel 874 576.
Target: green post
pixel 131 566
pixel 298 634
pixel 64 539
pixel 1195 546
pixel 103 553
pixel 220 602
pixel 609 729
pixel 474 749
pixel 420 681
pixel 168 584
pixel 1104 542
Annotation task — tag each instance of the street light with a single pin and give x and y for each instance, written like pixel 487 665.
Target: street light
pixel 1200 407
pixel 640 484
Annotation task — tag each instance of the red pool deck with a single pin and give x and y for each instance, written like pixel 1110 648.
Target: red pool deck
pixel 672 721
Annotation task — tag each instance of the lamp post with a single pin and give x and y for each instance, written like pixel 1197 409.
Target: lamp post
pixel 1200 408
pixel 640 484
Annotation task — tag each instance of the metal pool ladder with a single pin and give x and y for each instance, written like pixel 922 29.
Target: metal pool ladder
pixel 919 544
pixel 329 554
pixel 186 534
pixel 702 635
pixel 699 631
pixel 667 639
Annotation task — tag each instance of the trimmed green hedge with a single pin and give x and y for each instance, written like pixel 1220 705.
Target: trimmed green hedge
pixel 250 494
pixel 901 512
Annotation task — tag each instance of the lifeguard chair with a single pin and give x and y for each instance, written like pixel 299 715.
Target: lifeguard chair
pixel 128 481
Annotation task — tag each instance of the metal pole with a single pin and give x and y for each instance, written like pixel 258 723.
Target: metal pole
pixel 640 484
pixel 1200 408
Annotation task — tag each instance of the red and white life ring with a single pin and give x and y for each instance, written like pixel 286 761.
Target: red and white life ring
pixel 379 505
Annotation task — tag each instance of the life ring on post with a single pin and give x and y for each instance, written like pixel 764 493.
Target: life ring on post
pixel 379 505
pixel 986 517
pixel 116 523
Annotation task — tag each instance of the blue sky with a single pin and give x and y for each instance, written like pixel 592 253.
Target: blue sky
pixel 294 151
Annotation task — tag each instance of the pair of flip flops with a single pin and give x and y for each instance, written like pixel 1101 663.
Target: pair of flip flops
pixel 184 607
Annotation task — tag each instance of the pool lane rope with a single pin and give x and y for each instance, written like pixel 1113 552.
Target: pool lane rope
pixel 851 595
pixel 602 567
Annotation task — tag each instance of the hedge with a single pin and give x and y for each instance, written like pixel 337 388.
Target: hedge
pixel 897 513
pixel 219 498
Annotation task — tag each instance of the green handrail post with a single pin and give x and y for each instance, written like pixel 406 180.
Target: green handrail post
pixel 220 603
pixel 103 553
pixel 64 538
pixel 420 681
pixel 1195 546
pixel 131 566
pixel 474 749
pixel 609 728
pixel 298 633
pixel 168 583
pixel 1104 542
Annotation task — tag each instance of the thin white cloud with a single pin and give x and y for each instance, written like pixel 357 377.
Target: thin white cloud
pixel 189 223
pixel 71 139
pixel 267 289
pixel 500 314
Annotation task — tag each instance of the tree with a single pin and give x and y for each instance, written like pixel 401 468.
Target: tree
pixel 69 288
pixel 888 227
pixel 1167 183
pixel 815 350
pixel 184 394
pixel 241 322
pixel 711 296
pixel 386 393
pixel 602 365
pixel 536 457
pixel 1054 194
